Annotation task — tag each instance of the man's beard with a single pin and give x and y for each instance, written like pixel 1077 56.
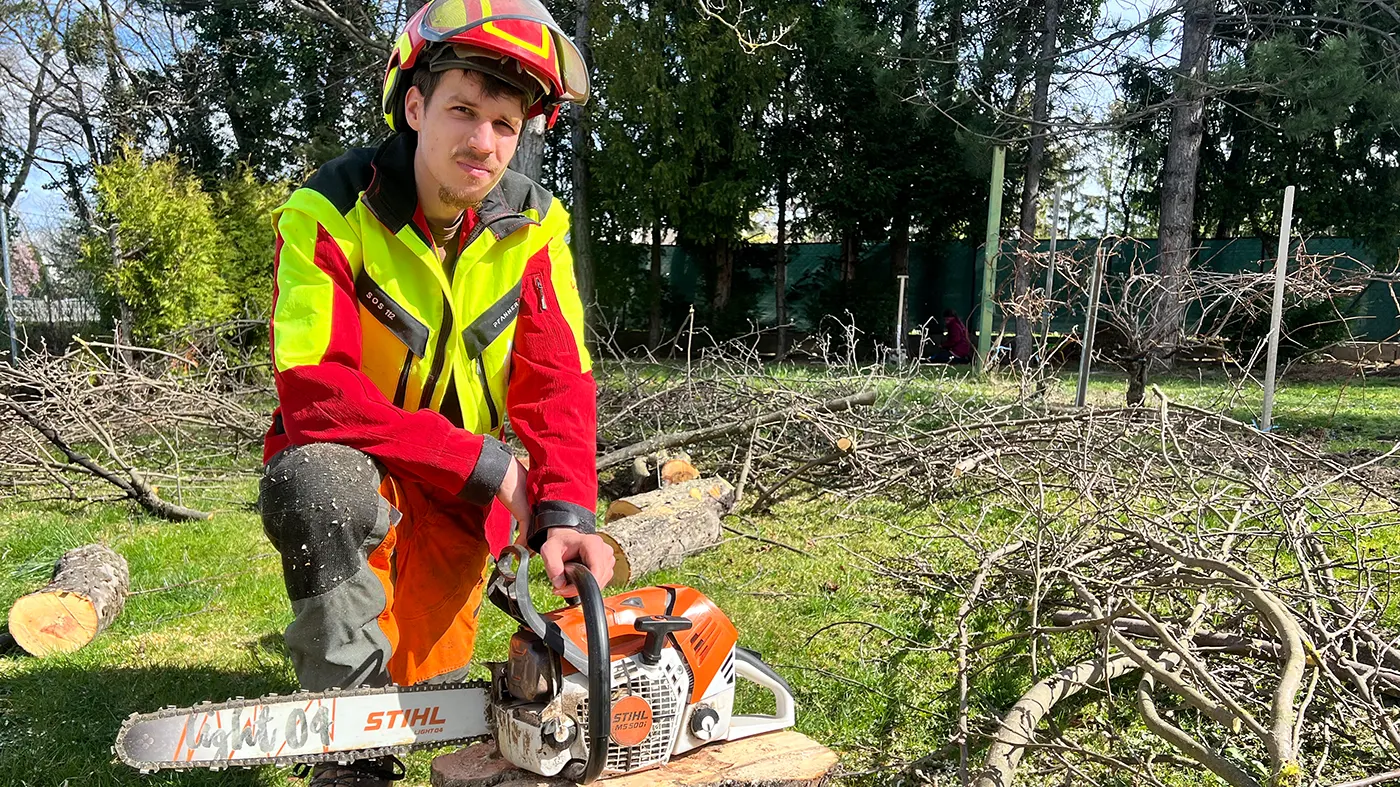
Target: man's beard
pixel 462 199
pixel 457 199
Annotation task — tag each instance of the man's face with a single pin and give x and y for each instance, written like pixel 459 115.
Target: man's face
pixel 465 138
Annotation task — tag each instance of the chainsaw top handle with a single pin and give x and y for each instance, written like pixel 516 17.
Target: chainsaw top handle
pixel 509 589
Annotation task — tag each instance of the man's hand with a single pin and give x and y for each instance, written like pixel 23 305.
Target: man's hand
pixel 563 545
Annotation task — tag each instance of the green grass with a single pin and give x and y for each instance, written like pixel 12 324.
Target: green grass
pixel 879 696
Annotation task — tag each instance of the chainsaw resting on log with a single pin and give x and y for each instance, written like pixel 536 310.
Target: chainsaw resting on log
pixel 552 707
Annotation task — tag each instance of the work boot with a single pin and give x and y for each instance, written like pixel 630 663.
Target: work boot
pixel 380 772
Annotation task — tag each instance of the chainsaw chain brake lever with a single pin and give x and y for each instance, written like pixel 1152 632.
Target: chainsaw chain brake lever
pixel 509 589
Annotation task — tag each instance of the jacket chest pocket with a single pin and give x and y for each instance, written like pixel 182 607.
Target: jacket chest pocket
pixel 391 339
pixel 487 361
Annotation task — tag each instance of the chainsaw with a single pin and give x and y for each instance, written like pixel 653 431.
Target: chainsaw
pixel 599 687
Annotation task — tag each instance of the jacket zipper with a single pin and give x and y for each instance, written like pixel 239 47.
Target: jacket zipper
pixel 486 392
pixel 440 355
pixel 445 329
pixel 401 392
pixel 539 290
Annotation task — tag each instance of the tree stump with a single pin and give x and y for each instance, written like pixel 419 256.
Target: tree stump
pixel 658 529
pixel 86 593
pixel 777 759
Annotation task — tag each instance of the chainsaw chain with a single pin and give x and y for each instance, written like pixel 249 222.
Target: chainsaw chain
pixel 337 756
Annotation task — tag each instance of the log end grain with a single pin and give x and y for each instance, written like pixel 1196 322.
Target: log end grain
pixel 45 623
pixel 622 567
pixel 678 471
pixel 618 509
pixel 87 592
pixel 778 759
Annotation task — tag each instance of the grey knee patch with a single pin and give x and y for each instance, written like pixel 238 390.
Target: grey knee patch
pixel 335 640
pixel 322 510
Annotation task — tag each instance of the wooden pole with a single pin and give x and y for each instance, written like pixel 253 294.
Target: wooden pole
pixel 899 321
pixel 992 250
pixel 1091 324
pixel 1276 322
pixel 1050 274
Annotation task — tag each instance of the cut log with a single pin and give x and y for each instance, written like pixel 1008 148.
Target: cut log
pixel 777 759
pixel 86 593
pixel 683 495
pixel 670 468
pixel 658 529
pixel 678 471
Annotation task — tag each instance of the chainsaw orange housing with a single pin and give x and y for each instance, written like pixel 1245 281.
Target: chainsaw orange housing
pixel 704 647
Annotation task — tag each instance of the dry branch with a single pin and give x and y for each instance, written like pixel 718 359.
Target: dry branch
pixel 1017 729
pixel 660 442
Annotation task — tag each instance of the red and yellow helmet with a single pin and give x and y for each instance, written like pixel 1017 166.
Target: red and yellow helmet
pixel 502 37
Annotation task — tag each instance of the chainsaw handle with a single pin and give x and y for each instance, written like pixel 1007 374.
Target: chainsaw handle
pixel 510 590
pixel 748 665
pixel 595 624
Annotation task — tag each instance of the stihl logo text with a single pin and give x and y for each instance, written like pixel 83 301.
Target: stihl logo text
pixel 631 720
pixel 409 717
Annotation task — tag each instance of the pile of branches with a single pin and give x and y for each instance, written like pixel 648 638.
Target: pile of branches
pixel 776 436
pixel 102 423
pixel 1220 582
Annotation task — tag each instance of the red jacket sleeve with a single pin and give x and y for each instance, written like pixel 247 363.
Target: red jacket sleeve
pixel 325 397
pixel 552 398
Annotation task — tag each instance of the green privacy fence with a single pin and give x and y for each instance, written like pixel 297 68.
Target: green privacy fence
pixel 948 276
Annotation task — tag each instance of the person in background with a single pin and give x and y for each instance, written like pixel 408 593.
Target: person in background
pixel 956 347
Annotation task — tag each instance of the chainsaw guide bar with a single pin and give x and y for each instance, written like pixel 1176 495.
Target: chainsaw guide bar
pixel 217 735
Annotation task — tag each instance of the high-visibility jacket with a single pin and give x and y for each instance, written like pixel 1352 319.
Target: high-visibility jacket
pixel 380 345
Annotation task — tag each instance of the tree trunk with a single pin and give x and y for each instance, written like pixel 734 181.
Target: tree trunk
pixel 899 221
pixel 529 156
pixel 654 282
pixel 1030 184
pixel 1177 217
pixel 1234 212
pixel 659 529
pixel 850 253
pixel 86 593
pixel 1137 380
pixel 582 230
pixel 723 250
pixel 122 330
pixel 780 305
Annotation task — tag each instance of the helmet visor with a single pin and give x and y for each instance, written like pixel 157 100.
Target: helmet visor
pixel 446 19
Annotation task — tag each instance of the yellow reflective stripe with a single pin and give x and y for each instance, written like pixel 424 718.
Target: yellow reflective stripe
pixel 301 319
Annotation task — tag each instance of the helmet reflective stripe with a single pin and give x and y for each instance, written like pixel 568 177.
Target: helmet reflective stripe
pixel 541 49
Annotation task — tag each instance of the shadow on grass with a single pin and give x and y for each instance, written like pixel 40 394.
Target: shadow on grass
pixel 58 724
